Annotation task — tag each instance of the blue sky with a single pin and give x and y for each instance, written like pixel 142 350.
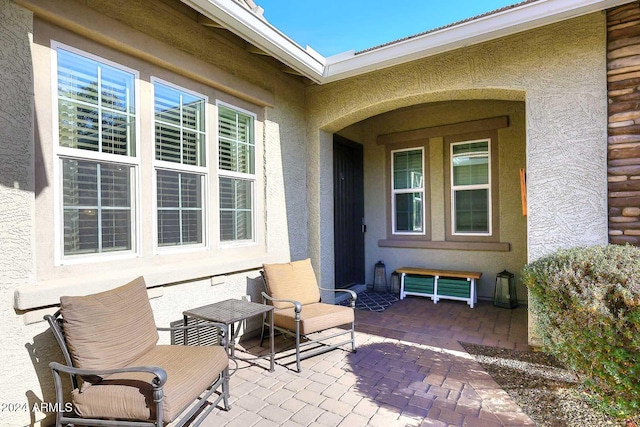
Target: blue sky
pixel 336 26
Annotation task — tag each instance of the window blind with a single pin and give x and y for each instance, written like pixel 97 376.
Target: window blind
pixel 236 154
pixel 180 126
pixel 472 211
pixel 470 187
pixel 180 135
pixel 409 211
pixel 96 108
pixel 97 207
pixel 179 201
pixel 471 163
pixel 236 209
pixel 236 151
pixel 408 191
pixel 407 169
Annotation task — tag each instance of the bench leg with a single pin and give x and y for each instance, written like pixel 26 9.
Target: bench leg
pixel 402 295
pixel 435 297
pixel 473 298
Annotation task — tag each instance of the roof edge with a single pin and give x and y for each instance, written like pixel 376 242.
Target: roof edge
pixel 483 29
pixel 490 26
pixel 256 30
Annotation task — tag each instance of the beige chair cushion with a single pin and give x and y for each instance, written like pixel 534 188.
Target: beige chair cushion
pixel 314 317
pixel 110 329
pixel 190 370
pixel 294 280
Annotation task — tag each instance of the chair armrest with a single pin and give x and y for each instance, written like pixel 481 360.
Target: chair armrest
pixel 159 380
pixel 296 304
pixel 354 296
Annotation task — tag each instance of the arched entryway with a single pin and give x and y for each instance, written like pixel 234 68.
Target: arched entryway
pixel 434 221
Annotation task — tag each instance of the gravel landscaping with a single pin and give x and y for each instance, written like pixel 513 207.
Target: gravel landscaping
pixel 541 386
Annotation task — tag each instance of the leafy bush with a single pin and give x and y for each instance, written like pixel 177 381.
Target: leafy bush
pixel 587 307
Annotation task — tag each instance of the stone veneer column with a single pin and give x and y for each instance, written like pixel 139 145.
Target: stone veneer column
pixel 623 84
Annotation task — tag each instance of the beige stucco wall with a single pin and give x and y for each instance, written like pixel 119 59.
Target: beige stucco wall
pixel 277 101
pixel 511 152
pixel 557 71
pixel 134 34
pixel 159 266
pixel 16 203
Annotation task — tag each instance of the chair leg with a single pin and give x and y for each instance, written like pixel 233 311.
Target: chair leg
pixel 353 337
pixel 298 342
pixel 225 389
pixel 57 381
pixel 157 399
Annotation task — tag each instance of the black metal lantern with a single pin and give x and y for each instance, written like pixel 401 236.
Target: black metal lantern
pixel 505 292
pixel 380 277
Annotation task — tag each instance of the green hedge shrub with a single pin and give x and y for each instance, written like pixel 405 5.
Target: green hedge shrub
pixel 587 307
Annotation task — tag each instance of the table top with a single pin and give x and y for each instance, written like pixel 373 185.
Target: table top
pixel 228 311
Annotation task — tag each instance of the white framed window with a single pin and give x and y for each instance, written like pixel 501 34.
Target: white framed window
pixel 236 174
pixel 97 165
pixel 180 165
pixel 471 188
pixel 408 191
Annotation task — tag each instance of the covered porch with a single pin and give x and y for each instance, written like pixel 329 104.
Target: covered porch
pixel 410 369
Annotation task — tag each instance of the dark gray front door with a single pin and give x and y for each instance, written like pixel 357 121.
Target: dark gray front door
pixel 348 196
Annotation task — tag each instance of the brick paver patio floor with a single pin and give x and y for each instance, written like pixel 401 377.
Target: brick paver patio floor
pixel 409 370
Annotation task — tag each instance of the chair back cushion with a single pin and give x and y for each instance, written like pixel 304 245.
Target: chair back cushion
pixel 293 280
pixel 109 329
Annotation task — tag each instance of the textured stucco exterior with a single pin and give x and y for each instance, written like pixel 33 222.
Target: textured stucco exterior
pixel 277 101
pixel 216 64
pixel 16 201
pixel 557 71
pixel 549 81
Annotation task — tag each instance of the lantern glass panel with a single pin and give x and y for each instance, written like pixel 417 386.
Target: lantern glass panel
pixel 505 290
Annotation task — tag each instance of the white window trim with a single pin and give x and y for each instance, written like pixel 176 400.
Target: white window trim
pixel 253 178
pixel 422 190
pixel 61 153
pixel 487 187
pixel 203 171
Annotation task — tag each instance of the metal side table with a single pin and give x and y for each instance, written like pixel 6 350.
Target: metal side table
pixel 230 312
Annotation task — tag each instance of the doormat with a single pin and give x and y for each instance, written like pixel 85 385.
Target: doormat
pixel 373 301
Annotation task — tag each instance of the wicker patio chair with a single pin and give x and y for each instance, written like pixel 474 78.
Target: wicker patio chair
pixel 120 376
pixel 294 292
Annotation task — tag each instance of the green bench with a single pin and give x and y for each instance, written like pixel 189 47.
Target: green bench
pixel 439 284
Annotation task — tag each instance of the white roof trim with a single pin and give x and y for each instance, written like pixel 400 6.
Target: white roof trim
pixel 262 34
pixel 250 27
pixel 476 31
